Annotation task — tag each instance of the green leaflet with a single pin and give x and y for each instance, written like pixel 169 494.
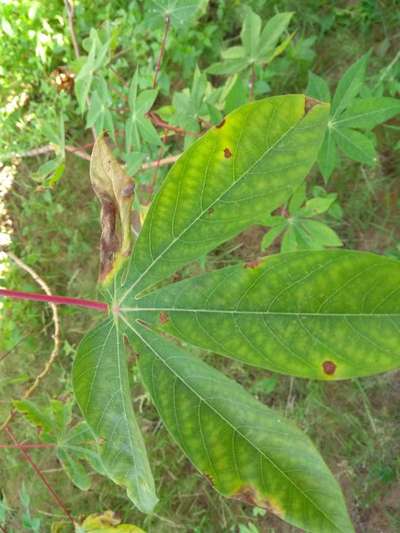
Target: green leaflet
pixel 321 315
pixel 258 47
pixel 249 164
pixel 349 85
pixel 369 112
pixel 355 145
pixel 101 386
pixel 247 450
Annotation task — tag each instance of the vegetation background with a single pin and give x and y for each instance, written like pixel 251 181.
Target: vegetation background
pixel 135 62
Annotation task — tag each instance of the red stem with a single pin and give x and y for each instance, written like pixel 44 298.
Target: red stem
pixel 61 300
pixel 25 446
pixel 40 474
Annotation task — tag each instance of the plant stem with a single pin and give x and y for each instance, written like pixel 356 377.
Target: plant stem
pixel 253 77
pixel 60 300
pixel 25 446
pixel 71 13
pixel 162 50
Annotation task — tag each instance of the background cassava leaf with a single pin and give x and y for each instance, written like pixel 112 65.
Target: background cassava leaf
pixel 369 112
pixel 180 12
pixel 272 32
pixel 356 145
pixel 250 163
pixel 247 450
pixel 318 88
pixel 291 314
pixel 101 386
pixel 349 85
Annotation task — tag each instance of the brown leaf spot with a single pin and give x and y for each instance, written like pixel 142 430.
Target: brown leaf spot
pixel 164 318
pixel 227 153
pixel 253 264
pixel 329 367
pixel 250 495
pixel 310 103
pixel 210 211
pixel 220 124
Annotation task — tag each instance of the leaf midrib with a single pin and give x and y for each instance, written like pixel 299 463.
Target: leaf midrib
pixel 196 219
pixel 259 313
pixel 212 408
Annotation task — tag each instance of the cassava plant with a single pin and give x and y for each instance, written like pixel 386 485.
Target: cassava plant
pixel 325 315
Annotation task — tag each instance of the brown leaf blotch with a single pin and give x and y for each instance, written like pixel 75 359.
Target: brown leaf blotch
pixel 253 264
pixel 128 191
pixel 164 318
pixel 249 495
pixel 227 153
pixel 310 103
pixel 329 367
pixel 220 124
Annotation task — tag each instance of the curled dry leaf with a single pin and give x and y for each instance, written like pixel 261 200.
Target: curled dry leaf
pixel 115 190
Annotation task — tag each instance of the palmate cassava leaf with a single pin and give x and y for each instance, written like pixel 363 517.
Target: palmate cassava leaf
pixel 229 179
pixel 319 315
pixel 350 111
pixel 247 450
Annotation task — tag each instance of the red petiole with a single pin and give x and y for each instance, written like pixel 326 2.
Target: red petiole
pixel 59 300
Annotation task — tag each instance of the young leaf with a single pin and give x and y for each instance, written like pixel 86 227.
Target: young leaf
pixel 369 112
pixel 248 451
pixel 349 85
pixel 272 32
pixel 101 386
pixel 250 33
pixel 295 313
pixel 251 163
pixel 317 206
